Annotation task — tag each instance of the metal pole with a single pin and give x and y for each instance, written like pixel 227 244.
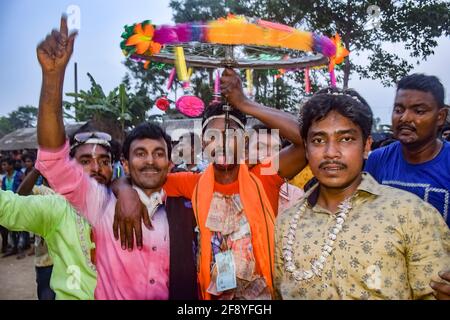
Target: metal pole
pixel 76 88
pixel 229 60
pixel 229 56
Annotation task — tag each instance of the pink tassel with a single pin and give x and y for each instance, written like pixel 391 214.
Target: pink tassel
pixel 332 78
pixel 171 78
pixel 217 87
pixel 307 82
pixel 217 83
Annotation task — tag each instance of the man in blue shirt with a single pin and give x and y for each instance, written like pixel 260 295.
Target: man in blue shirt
pixel 419 162
pixel 10 182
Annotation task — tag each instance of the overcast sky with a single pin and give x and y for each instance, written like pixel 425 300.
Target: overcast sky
pixel 24 23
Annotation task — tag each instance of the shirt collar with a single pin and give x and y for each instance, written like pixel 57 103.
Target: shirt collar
pixel 153 201
pixel 368 185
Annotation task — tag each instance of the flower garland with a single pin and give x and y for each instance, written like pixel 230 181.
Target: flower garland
pixel 317 265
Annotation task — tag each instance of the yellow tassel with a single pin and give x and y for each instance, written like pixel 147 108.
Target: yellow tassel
pixel 249 76
pixel 189 73
pixel 180 64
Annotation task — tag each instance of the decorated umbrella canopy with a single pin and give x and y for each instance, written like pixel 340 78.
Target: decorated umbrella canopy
pixel 232 42
pixel 144 41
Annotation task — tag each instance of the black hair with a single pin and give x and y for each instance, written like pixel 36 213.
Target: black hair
pixel 146 130
pixel 30 156
pixel 260 126
pixel 445 127
pixel 216 109
pixel 115 150
pixel 10 161
pixel 425 83
pixel 347 103
pixel 18 164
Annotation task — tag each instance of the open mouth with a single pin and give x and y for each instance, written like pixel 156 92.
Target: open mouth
pixel 149 171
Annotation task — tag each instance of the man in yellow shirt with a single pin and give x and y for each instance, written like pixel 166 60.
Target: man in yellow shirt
pixel 350 237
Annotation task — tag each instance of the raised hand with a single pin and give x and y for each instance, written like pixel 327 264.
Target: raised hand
pixel 55 51
pixel 231 88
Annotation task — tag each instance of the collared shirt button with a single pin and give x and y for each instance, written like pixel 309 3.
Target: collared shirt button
pixel 154 248
pixel 152 281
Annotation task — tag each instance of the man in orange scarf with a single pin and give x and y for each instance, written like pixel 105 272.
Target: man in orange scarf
pixel 235 207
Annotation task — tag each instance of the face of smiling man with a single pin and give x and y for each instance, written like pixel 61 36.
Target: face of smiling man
pixel 148 164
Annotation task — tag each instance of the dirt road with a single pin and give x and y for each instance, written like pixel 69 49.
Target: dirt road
pixel 17 279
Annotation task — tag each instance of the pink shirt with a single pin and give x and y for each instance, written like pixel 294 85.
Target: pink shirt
pixel 136 275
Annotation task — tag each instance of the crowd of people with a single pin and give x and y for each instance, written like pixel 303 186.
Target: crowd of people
pixel 317 213
pixel 14 167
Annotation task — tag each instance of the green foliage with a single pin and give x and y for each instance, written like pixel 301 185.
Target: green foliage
pixel 23 117
pixel 127 109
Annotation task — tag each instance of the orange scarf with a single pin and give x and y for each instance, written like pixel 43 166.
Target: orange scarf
pixel 259 214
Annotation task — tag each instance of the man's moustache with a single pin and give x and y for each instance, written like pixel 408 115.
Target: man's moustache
pixel 328 162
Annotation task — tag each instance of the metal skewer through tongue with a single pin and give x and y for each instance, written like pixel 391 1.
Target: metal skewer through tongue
pixel 229 60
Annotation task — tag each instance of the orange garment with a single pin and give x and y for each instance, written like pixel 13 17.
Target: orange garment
pixel 182 184
pixel 254 190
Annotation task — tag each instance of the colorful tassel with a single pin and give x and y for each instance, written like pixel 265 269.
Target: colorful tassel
pixel 171 78
pixel 217 87
pixel 180 64
pixel 189 73
pixel 332 78
pixel 307 82
pixel 249 78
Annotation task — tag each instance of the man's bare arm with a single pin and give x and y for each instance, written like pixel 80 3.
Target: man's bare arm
pixel 53 54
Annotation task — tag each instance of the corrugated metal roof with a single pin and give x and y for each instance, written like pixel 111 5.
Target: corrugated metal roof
pixel 26 138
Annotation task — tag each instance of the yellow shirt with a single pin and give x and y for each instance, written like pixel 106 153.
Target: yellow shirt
pixel 391 245
pixel 302 178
